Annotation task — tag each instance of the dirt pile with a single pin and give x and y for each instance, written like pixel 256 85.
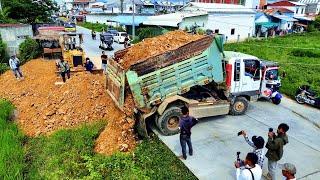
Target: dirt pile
pixel 157 45
pixel 44 107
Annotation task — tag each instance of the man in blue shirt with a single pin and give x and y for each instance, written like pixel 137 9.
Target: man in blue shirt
pixel 185 125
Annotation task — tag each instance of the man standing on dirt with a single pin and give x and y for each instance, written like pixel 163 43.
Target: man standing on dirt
pixel 104 62
pixel 64 69
pixel 275 148
pixel 185 125
pixel 15 66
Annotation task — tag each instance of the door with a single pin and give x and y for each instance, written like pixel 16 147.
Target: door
pixel 250 75
pixel 236 76
pixel 115 82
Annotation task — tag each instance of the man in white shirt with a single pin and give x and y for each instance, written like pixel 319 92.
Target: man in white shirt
pixel 251 170
pixel 288 171
pixel 15 66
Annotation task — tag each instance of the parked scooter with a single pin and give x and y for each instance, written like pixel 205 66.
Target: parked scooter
pixel 305 95
pixel 271 82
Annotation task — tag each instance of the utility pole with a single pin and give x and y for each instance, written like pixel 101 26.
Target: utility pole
pixel 133 30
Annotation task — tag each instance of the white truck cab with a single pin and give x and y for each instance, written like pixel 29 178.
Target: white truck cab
pixel 243 74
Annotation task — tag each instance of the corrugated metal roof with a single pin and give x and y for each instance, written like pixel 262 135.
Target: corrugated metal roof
pixel 285 18
pixel 217 7
pixel 13 25
pixel 286 3
pixel 172 19
pixel 309 1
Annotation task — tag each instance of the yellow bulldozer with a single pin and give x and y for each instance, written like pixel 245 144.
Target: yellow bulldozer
pixel 72 51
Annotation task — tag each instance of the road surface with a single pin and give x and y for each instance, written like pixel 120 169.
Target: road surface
pixel 91 47
pixel 215 140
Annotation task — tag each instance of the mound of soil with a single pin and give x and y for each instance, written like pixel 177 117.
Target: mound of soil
pixel 153 46
pixel 44 107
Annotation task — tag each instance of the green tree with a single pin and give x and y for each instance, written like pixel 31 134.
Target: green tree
pixel 29 49
pixel 30 11
pixel 4 15
pixel 4 57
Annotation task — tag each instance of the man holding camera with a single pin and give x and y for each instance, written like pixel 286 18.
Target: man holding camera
pixel 275 148
pixel 251 170
pixel 257 143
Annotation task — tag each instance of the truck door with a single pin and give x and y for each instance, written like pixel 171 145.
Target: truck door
pixel 250 75
pixel 115 82
pixel 236 75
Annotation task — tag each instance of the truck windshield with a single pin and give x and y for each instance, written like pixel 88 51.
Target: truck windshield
pixel 272 74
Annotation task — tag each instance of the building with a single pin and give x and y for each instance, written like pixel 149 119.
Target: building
pixel 299 9
pixel 81 4
pixel 179 20
pixel 236 22
pixel 14 34
pixel 313 6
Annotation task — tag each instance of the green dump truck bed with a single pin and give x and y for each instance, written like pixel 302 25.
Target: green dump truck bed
pixel 171 73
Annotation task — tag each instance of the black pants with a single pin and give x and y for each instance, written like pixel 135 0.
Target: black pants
pixel 185 139
pixel 63 75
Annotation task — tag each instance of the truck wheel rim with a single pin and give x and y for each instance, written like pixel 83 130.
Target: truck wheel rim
pixel 173 123
pixel 239 106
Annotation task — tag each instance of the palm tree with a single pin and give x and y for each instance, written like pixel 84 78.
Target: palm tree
pixel 4 15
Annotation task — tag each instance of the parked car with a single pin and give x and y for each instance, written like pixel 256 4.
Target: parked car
pixel 112 31
pixel 119 37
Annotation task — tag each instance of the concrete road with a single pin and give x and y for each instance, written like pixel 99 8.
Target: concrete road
pixel 91 47
pixel 215 140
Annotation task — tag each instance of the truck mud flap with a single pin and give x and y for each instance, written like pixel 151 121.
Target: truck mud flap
pixel 140 125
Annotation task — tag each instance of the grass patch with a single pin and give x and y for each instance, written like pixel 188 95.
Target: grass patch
pixel 98 27
pixel 67 154
pixel 298 55
pixel 11 145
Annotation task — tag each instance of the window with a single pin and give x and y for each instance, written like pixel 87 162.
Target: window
pixel 232 31
pixel 297 10
pixel 288 25
pixel 252 68
pixel 236 76
pixel 216 31
pixel 302 10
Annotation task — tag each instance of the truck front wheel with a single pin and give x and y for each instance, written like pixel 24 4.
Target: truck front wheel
pixel 239 106
pixel 168 122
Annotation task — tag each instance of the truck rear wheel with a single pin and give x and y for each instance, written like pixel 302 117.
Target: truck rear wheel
pixel 168 122
pixel 239 106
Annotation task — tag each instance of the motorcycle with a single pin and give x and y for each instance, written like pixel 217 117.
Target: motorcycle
pixel 305 95
pixel 270 83
pixel 273 94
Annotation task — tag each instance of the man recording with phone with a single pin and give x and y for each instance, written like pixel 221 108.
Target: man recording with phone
pixel 257 143
pixel 275 148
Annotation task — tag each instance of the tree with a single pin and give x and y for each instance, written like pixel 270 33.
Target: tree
pixel 4 57
pixel 30 11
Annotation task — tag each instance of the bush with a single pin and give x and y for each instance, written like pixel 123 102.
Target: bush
pixel 305 53
pixel 3 68
pixel 11 142
pixel 4 56
pixel 149 32
pixel 29 49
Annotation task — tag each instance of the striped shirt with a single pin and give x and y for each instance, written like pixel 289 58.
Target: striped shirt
pixel 259 152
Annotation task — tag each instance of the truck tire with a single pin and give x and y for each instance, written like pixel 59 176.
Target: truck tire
pixel 239 106
pixel 168 122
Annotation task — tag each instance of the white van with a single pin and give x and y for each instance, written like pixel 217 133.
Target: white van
pixel 119 37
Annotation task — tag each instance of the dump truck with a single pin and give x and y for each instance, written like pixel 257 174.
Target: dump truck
pixel 199 75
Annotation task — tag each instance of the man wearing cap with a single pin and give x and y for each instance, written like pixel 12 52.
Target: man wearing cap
pixel 257 143
pixel 288 171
